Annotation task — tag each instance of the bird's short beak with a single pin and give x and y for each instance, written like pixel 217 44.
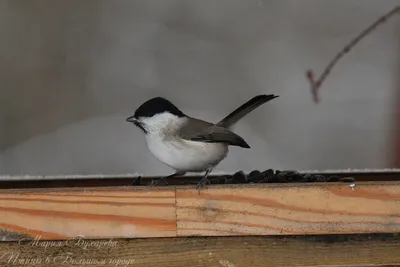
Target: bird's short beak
pixel 131 119
pixel 137 122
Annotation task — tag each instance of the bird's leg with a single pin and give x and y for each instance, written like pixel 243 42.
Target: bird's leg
pixel 163 180
pixel 204 181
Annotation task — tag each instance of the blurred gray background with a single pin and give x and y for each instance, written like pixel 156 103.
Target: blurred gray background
pixel 72 71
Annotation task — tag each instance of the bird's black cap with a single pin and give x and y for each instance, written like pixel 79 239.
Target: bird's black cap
pixel 155 106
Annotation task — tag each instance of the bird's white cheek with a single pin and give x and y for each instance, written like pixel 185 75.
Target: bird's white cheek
pixel 162 121
pixel 149 123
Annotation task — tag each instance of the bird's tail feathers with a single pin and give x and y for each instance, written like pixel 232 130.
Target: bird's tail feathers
pixel 244 109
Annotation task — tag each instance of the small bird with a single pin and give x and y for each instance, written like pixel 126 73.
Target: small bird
pixel 187 144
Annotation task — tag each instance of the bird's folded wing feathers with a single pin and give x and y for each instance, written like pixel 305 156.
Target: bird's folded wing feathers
pixel 216 134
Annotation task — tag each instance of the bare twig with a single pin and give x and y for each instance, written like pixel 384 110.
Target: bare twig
pixel 316 84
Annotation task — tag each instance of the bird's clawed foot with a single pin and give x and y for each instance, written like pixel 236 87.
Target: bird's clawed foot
pixel 203 182
pixel 159 182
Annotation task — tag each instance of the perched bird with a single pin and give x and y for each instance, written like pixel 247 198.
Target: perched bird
pixel 188 144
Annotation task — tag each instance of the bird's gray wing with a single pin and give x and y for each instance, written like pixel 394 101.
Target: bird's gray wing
pixel 201 131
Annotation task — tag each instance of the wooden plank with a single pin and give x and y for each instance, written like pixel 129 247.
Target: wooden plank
pixel 254 209
pixel 368 207
pixel 274 251
pixel 101 212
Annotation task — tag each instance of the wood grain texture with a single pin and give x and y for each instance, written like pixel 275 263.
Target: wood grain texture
pixel 274 251
pixel 289 209
pixel 64 213
pixel 258 209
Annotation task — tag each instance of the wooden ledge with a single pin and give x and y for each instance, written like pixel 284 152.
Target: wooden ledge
pixel 219 210
pixel 240 251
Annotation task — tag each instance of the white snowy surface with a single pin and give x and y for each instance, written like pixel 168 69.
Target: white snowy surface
pixel 352 170
pixel 128 175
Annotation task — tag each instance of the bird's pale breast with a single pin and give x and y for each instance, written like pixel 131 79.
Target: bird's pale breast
pixel 185 155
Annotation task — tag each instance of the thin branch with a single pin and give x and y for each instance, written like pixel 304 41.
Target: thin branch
pixel 316 84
